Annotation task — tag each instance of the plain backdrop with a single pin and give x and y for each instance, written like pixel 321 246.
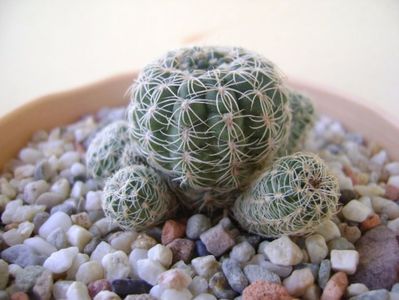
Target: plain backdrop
pixel 347 46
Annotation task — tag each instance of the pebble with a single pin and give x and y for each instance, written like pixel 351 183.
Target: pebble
pixel 316 247
pixel 43 286
pixel 106 295
pixel 378 265
pixel 391 192
pixel 220 287
pixel 283 251
pixel 380 294
pixel 394 225
pixel 82 219
pixel 198 285
pixel 124 287
pixel 324 273
pixel 58 238
pixel 4 274
pixel 77 262
pixel 385 206
pixel 185 267
pixel 370 190
pixel 24 171
pixel 205 266
pixel 68 159
pixel 43 171
pixel 282 271
pixel 312 293
pixel 171 231
pixel 93 200
pixel 90 271
pixel 40 245
pixel 329 230
pixel 22 255
pixel 116 265
pixel 200 248
pixel 102 249
pixel 62 260
pixel 217 240
pixel 77 290
pixel 122 240
pixel 255 272
pixel 139 297
pixel 66 207
pixel 34 189
pixel 344 260
pixel 78 236
pixel 91 246
pixel 234 275
pixel 174 279
pixel 102 227
pixel 59 220
pixel 78 170
pixel 356 289
pixel 60 288
pixel 371 222
pixel 7 189
pixel 79 189
pixel 176 294
pixel 340 244
pixel 262 290
pixel 144 241
pixel 297 283
pixel 61 187
pixel 161 254
pixel 18 235
pixel 10 211
pixel 26 278
pixel 196 225
pixel 97 286
pixel 39 219
pixel 242 252
pixel 356 211
pixel 335 287
pixel 149 270
pixel 19 296
pixel 204 296
pixel 182 249
pixel 134 257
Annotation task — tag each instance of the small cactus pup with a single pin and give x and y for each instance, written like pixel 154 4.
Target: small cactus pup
pixel 209 118
pixel 303 117
pixel 136 197
pixel 292 198
pixel 105 154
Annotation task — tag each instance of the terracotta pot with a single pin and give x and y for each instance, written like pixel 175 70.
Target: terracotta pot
pixel 17 127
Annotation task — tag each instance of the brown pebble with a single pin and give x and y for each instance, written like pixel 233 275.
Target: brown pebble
pixel 172 230
pixel 19 296
pixel 392 192
pixel 335 287
pixel 82 219
pixel 264 290
pixel 371 222
pixel 97 286
pixel 182 249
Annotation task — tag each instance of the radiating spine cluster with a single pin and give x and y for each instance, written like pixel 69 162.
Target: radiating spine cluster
pixel 292 198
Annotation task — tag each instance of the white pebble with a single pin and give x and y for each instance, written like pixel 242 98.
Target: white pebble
pixel 102 249
pixel 161 254
pixel 149 270
pixel 106 295
pixel 68 159
pixel 174 279
pixel 34 189
pixel 134 257
pixel 370 190
pixel 316 247
pixel 77 262
pixel 205 296
pixel 90 271
pixel 78 169
pixel 329 230
pixel 356 289
pixel 380 158
pixel 30 155
pixel 298 282
pixel 169 294
pixel 198 285
pixel 344 260
pixel 77 290
pixel 7 189
pixel 365 200
pixel 356 211
pixel 60 288
pixel 93 200
pixel 283 251
pixel 205 266
pixel 56 220
pixel 62 260
pixel 40 245
pixel 61 187
pixel 105 226
pixel 27 213
pixel 156 291
pixel 79 189
pixel 50 199
pixel 385 206
pixel 18 235
pixel 394 225
pixel 24 171
pixel 392 168
pixel 394 181
pixel 122 240
pixel 242 252
pixel 78 236
pixel 116 265
pixel 262 246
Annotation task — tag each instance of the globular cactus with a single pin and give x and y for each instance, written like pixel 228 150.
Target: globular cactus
pixel 303 117
pixel 209 118
pixel 111 149
pixel 292 198
pixel 136 197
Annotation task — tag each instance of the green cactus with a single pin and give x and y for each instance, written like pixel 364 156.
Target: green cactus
pixel 137 198
pixel 302 121
pixel 292 198
pixel 209 118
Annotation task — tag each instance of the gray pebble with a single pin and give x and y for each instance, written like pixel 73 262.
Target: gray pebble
pixel 373 295
pixel 282 271
pixel 43 170
pixel 22 255
pixel 39 220
pixel 89 248
pixel 58 238
pixel 26 278
pixel 324 273
pixel 255 272
pixel 234 275
pixel 395 288
pixel 196 225
pixel 43 286
pixel 50 199
pixel 220 287
pixel 33 190
pixel 314 268
pixel 96 215
pixel 67 208
pixel 242 252
pixel 340 244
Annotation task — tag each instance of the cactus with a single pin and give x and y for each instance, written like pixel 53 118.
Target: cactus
pixel 210 119
pixel 292 198
pixel 136 197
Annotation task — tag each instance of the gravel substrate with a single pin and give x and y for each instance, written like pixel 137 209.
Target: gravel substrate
pixel 56 243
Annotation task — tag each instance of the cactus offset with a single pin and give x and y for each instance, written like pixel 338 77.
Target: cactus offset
pixel 292 198
pixel 137 198
pixel 208 118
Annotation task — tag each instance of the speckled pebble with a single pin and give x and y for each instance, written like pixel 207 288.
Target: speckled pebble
pixel 196 225
pixel 254 273
pixel 234 275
